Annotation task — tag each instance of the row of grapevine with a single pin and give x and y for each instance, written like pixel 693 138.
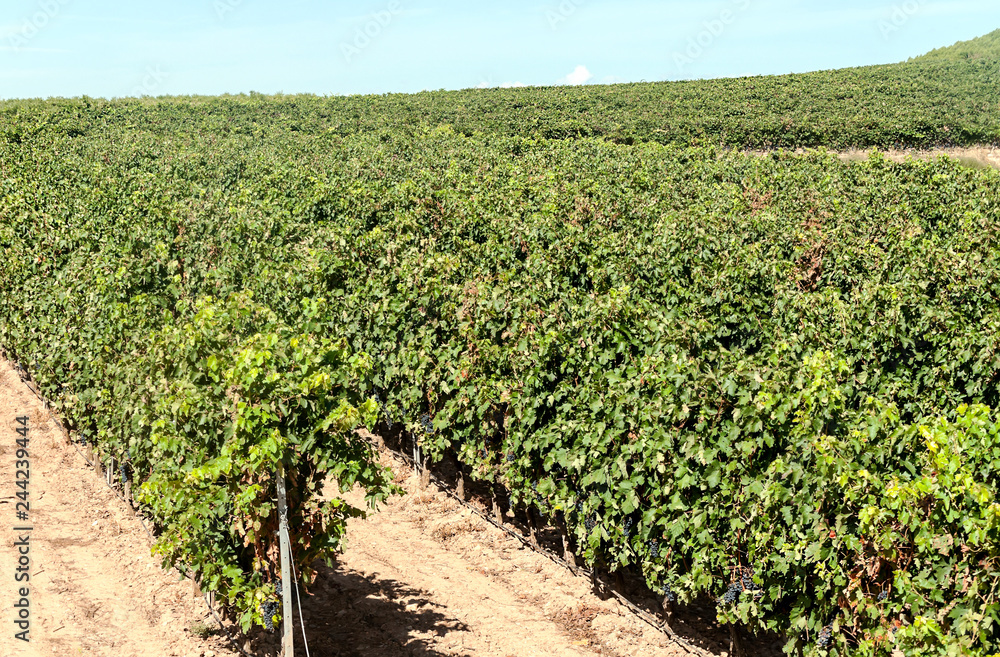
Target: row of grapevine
pixel 918 104
pixel 767 378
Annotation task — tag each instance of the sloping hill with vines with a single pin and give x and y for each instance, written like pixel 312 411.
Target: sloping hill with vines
pixel 942 99
pixel 986 47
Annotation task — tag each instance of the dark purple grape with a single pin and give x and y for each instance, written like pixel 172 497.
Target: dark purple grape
pixel 668 594
pixel 268 610
pixel 825 636
pixel 732 594
pixel 426 424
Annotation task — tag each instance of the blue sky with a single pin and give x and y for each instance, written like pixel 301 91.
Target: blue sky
pixel 125 48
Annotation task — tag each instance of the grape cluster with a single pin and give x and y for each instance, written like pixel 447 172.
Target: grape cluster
pixel 426 424
pixel 269 609
pixel 123 473
pixel 732 594
pixel 483 453
pixel 884 595
pixel 654 548
pixel 383 410
pixel 752 586
pixel 667 593
pixel 627 526
pixel 510 457
pixel 590 522
pixel 825 636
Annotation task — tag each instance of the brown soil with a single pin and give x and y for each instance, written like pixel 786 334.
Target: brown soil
pixel 976 156
pixel 979 157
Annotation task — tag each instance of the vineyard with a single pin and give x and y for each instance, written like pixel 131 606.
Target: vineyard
pixel 985 47
pixel 769 379
pixel 938 102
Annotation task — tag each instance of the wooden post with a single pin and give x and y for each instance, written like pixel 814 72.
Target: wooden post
pixel 287 645
pixel 532 526
pixel 425 474
pixel 736 648
pixel 497 513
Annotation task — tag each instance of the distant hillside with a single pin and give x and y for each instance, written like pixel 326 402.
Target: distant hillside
pixel 946 99
pixel 985 47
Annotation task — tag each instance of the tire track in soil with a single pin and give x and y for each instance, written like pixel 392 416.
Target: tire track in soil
pixel 95 589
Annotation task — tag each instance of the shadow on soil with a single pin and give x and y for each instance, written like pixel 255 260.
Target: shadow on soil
pixel 348 614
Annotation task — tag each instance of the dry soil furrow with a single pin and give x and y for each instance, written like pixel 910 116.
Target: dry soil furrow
pixel 473 589
pixel 481 603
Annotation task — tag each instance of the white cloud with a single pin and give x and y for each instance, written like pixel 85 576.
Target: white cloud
pixel 580 75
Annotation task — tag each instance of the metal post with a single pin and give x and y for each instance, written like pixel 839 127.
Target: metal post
pixel 287 645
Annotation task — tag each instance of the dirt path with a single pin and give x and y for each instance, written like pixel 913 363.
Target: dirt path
pixel 976 156
pixel 94 588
